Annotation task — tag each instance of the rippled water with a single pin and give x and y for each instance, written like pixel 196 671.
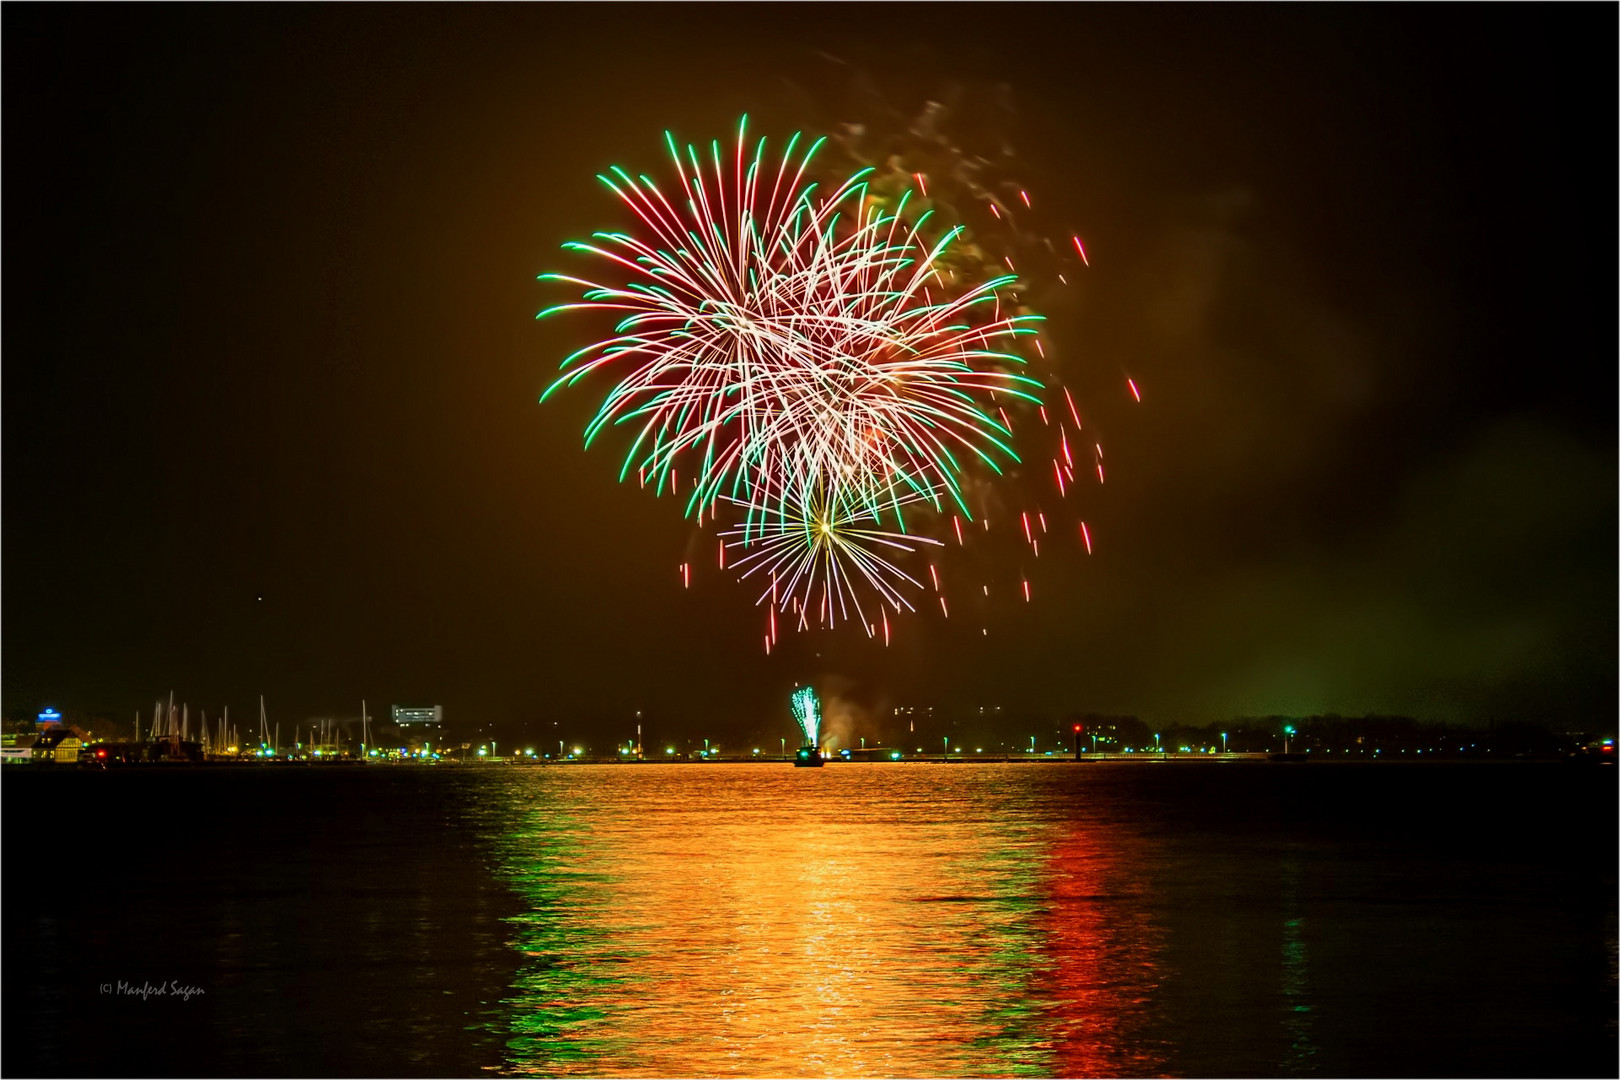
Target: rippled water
pixel 858 920
pixel 1009 920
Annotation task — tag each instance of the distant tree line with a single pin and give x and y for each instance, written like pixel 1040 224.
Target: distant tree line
pixel 1334 734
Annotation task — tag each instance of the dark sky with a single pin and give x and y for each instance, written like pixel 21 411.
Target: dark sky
pixel 268 333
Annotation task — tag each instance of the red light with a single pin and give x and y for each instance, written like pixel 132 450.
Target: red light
pixel 1078 728
pixel 101 753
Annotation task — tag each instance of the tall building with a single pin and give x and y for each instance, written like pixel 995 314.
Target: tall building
pixel 419 727
pixel 415 718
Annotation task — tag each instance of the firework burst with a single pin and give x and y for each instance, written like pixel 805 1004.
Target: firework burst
pixel 811 364
pixel 766 331
pixel 817 549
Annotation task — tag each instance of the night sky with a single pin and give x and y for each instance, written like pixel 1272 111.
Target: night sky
pixel 271 367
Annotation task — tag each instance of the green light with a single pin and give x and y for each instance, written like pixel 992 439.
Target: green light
pixel 807 712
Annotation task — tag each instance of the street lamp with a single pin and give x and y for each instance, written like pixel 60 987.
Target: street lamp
pixel 784 748
pixel 1032 744
pixel 1156 746
pixel 947 747
pixel 1288 729
pixel 1223 742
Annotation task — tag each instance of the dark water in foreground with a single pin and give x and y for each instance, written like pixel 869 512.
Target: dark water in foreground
pixel 860 920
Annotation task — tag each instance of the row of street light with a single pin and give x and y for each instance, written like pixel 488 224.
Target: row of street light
pixel 492 749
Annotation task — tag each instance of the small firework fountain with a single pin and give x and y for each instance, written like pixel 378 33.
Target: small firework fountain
pixel 807 712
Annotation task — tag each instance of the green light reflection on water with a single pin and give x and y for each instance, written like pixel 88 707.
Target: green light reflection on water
pixel 560 1012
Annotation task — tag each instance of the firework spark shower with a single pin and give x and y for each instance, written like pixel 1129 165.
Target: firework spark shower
pixel 807 366
pixel 807 714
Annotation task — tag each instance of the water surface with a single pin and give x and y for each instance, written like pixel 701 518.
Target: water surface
pixel 859 920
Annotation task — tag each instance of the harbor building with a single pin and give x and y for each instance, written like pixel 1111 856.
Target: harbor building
pixel 418 717
pixel 418 726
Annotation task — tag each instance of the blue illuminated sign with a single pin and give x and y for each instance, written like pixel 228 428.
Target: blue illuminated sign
pixel 49 716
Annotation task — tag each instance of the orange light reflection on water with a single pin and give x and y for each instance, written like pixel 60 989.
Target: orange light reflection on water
pixel 859 920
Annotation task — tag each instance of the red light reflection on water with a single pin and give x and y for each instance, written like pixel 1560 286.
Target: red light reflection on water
pixel 1104 945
